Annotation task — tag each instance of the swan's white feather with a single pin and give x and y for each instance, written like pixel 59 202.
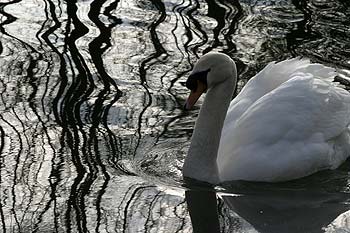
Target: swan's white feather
pixel 288 121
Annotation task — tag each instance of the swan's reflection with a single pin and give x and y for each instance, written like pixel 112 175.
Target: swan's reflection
pixel 272 211
pixel 202 206
pixel 289 211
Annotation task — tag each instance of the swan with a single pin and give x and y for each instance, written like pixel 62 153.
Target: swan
pixel 287 122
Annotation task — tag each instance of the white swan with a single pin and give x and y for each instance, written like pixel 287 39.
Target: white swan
pixel 288 121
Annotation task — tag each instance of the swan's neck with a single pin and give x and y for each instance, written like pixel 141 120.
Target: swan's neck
pixel 200 163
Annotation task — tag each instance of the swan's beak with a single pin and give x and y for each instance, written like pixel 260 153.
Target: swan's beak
pixel 194 95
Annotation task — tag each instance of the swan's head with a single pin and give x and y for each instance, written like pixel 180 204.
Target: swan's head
pixel 210 70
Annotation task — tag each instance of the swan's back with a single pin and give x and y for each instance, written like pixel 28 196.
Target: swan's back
pixel 288 121
pixel 271 77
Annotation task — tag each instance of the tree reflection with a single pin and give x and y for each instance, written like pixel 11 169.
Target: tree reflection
pixel 91 126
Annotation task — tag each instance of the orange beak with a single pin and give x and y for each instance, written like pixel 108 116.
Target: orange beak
pixel 194 95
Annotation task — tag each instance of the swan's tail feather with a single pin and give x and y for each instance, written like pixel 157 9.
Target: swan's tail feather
pixel 274 74
pixel 277 73
pixel 320 71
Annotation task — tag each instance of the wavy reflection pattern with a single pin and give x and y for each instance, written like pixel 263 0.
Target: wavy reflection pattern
pixel 91 96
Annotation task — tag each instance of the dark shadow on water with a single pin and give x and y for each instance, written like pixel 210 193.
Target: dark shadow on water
pixel 293 211
pixel 202 206
pixel 303 206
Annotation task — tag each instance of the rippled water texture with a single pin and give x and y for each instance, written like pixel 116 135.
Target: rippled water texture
pixel 92 135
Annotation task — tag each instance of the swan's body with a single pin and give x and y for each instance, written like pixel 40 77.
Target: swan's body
pixel 288 121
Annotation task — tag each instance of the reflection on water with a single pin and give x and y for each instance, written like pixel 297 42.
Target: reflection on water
pixel 290 211
pixel 271 211
pixel 202 206
pixel 92 135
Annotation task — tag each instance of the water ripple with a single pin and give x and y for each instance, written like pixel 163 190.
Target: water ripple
pixel 92 132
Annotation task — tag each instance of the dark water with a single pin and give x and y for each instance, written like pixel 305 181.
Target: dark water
pixel 92 135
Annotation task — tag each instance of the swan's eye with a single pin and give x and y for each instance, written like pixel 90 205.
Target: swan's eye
pixel 201 76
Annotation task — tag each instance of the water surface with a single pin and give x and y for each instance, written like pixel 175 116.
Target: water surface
pixel 92 132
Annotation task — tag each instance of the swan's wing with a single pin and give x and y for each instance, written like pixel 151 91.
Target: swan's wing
pixel 271 77
pixel 297 109
pixel 288 133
